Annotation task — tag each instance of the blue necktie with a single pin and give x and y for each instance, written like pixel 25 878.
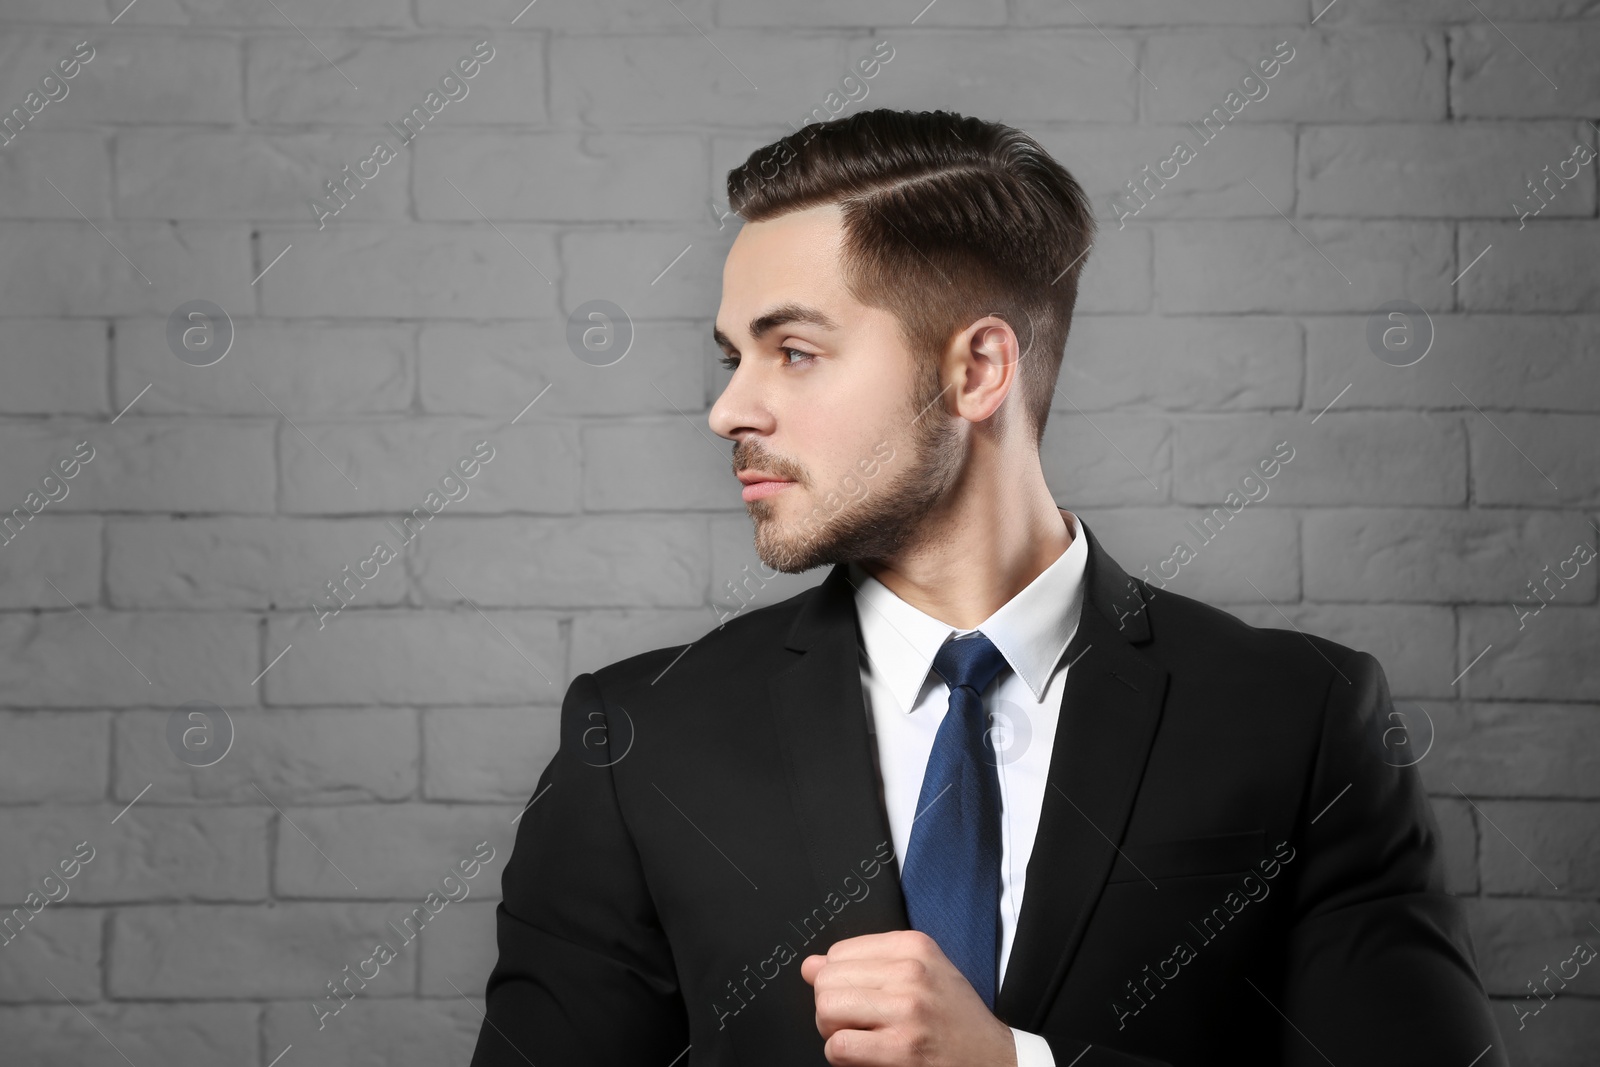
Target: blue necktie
pixel 951 879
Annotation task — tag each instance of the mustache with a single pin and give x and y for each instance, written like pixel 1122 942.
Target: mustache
pixel 747 456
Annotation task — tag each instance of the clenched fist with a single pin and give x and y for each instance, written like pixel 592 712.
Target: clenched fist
pixel 895 1000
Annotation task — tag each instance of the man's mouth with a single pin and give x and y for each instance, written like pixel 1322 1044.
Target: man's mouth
pixel 759 484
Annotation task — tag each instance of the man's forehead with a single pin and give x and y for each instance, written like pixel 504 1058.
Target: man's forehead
pixel 782 271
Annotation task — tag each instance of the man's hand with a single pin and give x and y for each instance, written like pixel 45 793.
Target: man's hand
pixel 894 1000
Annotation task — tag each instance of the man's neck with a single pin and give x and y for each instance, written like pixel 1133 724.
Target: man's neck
pixel 977 554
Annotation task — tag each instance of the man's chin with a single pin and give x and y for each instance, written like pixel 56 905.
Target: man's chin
pixel 786 552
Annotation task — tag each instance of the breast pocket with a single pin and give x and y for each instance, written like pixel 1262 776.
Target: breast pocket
pixel 1216 854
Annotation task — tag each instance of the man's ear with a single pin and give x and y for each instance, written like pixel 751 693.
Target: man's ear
pixel 983 364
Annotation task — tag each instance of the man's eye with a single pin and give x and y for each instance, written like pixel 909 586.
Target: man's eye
pixel 732 362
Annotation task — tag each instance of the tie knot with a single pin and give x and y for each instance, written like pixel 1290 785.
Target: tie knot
pixel 969 661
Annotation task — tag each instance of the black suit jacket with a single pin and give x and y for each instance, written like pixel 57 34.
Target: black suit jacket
pixel 712 817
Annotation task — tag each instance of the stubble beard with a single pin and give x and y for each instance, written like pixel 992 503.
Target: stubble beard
pixel 888 518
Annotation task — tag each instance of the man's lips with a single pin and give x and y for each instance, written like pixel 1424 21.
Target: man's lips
pixel 763 487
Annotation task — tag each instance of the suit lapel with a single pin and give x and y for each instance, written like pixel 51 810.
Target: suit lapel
pixel 1110 708
pixel 1109 711
pixel 828 761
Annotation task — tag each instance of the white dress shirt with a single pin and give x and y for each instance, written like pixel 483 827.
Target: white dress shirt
pixel 906 700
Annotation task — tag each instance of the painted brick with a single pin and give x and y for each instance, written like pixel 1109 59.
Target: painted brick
pixel 1104 159
pixel 393 1033
pixel 622 16
pixel 1541 848
pixel 1534 460
pixel 1460 845
pixel 560 177
pixel 1361 74
pixel 627 465
pixel 325 369
pixel 393 465
pixel 1083 74
pixel 1260 546
pixel 1364 11
pixel 186 174
pixel 1116 362
pixel 57 11
pixel 290 82
pixel 62 944
pixel 1551 371
pixel 54 366
pixel 1548 656
pixel 1119 274
pixel 63 549
pixel 157 76
pixel 301 13
pixel 245 563
pixel 1438 556
pixel 294 756
pixel 589 562
pixel 487 754
pixel 1351 458
pixel 475 369
pixel 649 274
pixel 164 952
pixel 150 853
pixel 56 1035
pixel 1560 78
pixel 66 268
pixel 78 162
pixel 621 81
pixel 462 953
pixel 1108 459
pixel 1313 265
pixel 56 659
pixel 1566 1037
pixel 1517 939
pixel 881 13
pixel 372 13
pixel 353 270
pixel 398 657
pixel 1514 750
pixel 1154 13
pixel 156 464
pixel 54 757
pixel 359 839
pixel 1547 267
pixel 1437 170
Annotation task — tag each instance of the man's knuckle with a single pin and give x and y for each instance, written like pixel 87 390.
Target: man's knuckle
pixel 912 972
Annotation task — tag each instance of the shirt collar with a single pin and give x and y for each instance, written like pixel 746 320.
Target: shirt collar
pixel 1031 630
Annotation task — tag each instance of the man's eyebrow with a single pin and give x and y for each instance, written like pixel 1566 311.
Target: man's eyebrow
pixel 779 316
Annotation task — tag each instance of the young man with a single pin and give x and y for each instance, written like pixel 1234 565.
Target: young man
pixel 801 840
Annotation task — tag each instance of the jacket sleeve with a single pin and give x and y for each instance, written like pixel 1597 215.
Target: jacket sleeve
pixel 1076 1053
pixel 1380 967
pixel 585 974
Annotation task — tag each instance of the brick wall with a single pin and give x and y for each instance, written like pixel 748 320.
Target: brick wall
pixel 373 749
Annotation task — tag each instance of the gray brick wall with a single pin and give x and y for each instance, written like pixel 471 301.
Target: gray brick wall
pixel 375 748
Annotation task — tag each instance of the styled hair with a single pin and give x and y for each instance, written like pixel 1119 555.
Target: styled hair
pixel 946 219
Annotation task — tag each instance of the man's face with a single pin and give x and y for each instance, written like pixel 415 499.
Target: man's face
pixel 827 399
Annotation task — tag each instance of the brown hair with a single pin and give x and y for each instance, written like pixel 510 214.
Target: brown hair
pixel 946 219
